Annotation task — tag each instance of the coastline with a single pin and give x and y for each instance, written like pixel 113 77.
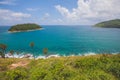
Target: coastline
pixel 31 56
pixel 25 31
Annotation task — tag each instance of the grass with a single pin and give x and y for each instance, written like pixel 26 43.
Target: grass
pixel 98 67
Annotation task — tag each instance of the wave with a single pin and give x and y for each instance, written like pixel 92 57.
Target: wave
pixel 8 55
pixel 44 57
pixel 31 56
pixel 116 53
pixel 89 54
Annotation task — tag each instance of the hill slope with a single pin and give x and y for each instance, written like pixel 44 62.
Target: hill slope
pixel 109 24
pixel 98 67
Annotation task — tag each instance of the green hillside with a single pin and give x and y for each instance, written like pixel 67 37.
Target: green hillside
pixel 24 27
pixel 98 67
pixel 109 24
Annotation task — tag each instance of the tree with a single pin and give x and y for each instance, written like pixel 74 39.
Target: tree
pixel 3 46
pixel 45 51
pixel 32 45
pixel 2 54
pixel 12 53
pixel 3 49
pixel 18 54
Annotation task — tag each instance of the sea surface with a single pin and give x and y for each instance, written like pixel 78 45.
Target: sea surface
pixel 63 40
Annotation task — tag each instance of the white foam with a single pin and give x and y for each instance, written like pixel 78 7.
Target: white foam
pixel 80 54
pixel 30 56
pixel 89 54
pixel 72 55
pixel 116 53
pixel 41 57
pixel 53 56
pixel 8 55
pixel 44 57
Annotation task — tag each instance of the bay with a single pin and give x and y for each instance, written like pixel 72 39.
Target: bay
pixel 64 40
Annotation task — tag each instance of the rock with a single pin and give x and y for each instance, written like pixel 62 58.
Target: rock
pixel 27 56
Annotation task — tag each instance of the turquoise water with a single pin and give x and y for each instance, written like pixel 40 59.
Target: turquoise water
pixel 64 40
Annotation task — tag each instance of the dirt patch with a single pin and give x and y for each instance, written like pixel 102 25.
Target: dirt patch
pixel 19 64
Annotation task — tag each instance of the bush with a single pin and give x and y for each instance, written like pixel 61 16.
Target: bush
pixel 99 67
pixel 17 74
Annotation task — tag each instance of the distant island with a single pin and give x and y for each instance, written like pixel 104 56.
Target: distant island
pixel 24 27
pixel 109 24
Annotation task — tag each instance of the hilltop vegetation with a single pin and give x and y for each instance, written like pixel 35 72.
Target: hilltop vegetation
pixel 98 67
pixel 24 27
pixel 109 24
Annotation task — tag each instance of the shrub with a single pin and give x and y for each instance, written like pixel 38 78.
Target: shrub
pixel 17 74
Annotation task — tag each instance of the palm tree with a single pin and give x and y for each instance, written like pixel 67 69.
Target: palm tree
pixel 3 48
pixel 12 53
pixel 2 54
pixel 18 54
pixel 45 51
pixel 32 46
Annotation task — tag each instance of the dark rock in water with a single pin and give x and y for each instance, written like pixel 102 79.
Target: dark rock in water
pixel 27 56
pixel 9 54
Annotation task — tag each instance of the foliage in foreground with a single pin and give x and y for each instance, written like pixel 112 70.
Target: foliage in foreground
pixel 99 67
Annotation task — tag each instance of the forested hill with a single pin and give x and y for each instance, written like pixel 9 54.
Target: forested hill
pixel 24 27
pixel 109 24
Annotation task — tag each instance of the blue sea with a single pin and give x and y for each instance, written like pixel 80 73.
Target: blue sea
pixel 63 40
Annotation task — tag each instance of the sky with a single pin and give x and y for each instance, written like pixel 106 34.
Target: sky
pixel 58 12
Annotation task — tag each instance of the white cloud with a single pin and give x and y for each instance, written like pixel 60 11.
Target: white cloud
pixel 32 9
pixel 45 16
pixel 7 2
pixel 57 21
pixel 8 16
pixel 91 11
pixel 62 10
